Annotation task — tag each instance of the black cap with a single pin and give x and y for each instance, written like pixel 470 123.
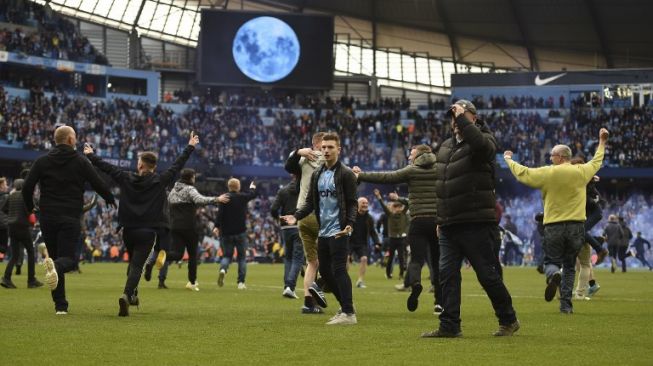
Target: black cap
pixel 467 106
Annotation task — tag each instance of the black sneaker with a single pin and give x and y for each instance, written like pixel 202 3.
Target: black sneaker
pixel 321 283
pixel 507 330
pixel 123 303
pixel 566 311
pixel 147 273
pixel 442 334
pixel 7 283
pixel 552 286
pixel 34 284
pixel 18 270
pixel 318 295
pixel 162 285
pixel 311 310
pixel 412 301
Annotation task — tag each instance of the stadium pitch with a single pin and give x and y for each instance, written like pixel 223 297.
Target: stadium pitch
pixel 218 326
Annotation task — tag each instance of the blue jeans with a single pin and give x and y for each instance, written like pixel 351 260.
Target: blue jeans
pixel 293 256
pixel 229 243
pixel 476 242
pixel 562 242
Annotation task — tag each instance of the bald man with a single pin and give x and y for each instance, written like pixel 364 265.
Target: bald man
pixel 564 192
pixel 230 224
pixel 62 175
pixel 360 237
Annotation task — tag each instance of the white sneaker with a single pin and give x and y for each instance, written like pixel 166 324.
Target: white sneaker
pixel 400 287
pixel 287 292
pixel 61 312
pixel 43 250
pixel 221 275
pixel 360 284
pixel 241 286
pixel 581 297
pixel 192 286
pixel 51 276
pixel 343 319
pixel 338 313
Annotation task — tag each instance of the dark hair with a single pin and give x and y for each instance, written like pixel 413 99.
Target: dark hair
pixel 18 184
pixel 187 175
pixel 331 136
pixel 149 158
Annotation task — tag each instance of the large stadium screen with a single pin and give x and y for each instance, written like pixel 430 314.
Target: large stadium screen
pixel 254 49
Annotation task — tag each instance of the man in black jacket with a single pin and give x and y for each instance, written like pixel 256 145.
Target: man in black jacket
pixel 19 233
pixel 360 239
pixel 62 175
pixel 230 225
pixel 285 203
pixel 465 213
pixel 143 211
pixel 332 197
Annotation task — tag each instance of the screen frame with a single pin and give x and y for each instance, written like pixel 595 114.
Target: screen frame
pixel 256 84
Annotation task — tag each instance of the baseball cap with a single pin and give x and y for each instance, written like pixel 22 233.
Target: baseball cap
pixel 467 106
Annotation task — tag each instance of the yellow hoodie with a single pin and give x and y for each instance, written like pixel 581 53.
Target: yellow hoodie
pixel 563 186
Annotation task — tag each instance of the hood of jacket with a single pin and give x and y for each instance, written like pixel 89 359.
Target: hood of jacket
pixel 425 160
pixel 62 154
pixel 180 186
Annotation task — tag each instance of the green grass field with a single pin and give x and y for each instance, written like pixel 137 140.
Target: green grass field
pixel 255 326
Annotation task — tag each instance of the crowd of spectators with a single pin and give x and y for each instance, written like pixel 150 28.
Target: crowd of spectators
pixel 631 135
pixel 55 37
pixel 235 133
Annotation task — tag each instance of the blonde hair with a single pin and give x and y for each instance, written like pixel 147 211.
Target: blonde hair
pixel 233 184
pixel 61 134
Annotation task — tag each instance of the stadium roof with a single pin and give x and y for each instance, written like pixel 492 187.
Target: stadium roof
pixel 618 31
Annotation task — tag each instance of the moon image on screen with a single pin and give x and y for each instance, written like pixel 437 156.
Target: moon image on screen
pixel 266 49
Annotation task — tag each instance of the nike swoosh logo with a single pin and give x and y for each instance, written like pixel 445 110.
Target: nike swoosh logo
pixel 540 82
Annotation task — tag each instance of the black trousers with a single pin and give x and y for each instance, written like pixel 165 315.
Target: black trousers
pixel 619 252
pixel 139 243
pixel 398 245
pixel 476 242
pixel 61 235
pixel 4 239
pixel 185 240
pixel 21 238
pixel 332 255
pixel 422 236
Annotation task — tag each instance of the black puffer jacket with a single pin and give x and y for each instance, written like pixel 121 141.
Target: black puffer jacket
pixel 465 176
